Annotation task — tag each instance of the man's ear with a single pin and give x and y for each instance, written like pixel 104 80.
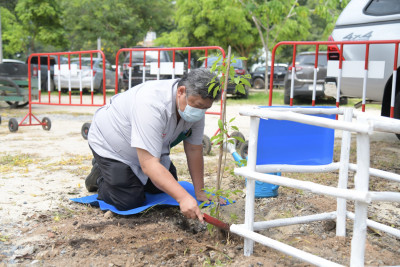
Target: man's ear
pixel 181 90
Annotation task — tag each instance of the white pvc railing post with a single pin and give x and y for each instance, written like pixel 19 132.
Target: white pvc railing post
pixel 250 187
pixel 361 182
pixel 343 175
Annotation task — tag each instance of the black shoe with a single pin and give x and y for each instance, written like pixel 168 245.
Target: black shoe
pixel 91 179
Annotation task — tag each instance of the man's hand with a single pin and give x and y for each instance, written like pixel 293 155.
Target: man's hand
pixel 202 196
pixel 164 180
pixel 190 209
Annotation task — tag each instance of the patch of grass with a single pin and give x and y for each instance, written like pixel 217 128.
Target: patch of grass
pixel 4 238
pixel 80 171
pixel 20 160
pixel 261 98
pixel 5 169
pixel 177 149
pixel 74 160
pixel 74 114
pixel 258 98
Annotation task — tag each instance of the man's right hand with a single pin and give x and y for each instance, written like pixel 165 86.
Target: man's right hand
pixel 190 208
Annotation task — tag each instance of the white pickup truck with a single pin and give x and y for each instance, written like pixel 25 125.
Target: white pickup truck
pixel 363 20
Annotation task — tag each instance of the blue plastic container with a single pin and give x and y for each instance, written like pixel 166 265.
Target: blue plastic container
pixel 261 189
pixel 266 189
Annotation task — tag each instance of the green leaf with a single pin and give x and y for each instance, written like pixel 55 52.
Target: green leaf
pixel 232 119
pixel 240 139
pixel 240 88
pixel 215 137
pixel 246 82
pixel 235 128
pixel 220 124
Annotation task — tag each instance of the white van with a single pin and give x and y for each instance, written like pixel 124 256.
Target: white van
pixel 369 20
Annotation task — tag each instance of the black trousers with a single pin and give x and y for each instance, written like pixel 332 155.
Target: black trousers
pixel 120 187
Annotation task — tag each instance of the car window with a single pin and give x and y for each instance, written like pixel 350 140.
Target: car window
pixel 151 56
pixel 43 60
pixel 382 7
pixel 84 62
pixel 309 59
pixel 260 69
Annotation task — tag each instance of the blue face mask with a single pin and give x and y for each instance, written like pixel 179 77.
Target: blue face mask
pixel 191 114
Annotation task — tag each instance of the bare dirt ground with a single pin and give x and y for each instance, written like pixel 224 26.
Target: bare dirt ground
pixel 39 226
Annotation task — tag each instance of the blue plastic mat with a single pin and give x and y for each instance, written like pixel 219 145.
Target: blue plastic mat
pixel 151 200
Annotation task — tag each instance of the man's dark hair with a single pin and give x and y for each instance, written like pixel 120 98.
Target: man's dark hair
pixel 197 82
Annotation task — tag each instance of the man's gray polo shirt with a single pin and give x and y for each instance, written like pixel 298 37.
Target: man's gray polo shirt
pixel 142 117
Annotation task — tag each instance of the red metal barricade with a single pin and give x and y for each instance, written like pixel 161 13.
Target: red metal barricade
pixel 339 47
pixel 145 67
pixel 84 66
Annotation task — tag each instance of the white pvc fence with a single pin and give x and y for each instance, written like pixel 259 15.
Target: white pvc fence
pixel 353 122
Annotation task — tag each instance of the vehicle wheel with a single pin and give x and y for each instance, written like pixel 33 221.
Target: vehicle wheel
pixel 85 130
pixel 16 104
pixel 238 143
pixel 343 100
pixel 286 96
pixel 244 149
pixel 13 104
pixel 47 124
pixel 397 110
pixel 206 145
pixel 258 83
pixel 13 125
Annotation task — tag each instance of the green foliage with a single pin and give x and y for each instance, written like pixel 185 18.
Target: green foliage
pixel 219 67
pixel 119 23
pixel 212 22
pixel 13 35
pixel 41 22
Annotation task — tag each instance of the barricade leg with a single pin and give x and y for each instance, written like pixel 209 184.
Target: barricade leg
pixel 343 175
pixel 361 182
pixel 250 187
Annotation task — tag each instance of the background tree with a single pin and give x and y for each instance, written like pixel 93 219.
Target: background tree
pixel 212 22
pixel 119 23
pixel 278 20
pixel 12 34
pixel 41 23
